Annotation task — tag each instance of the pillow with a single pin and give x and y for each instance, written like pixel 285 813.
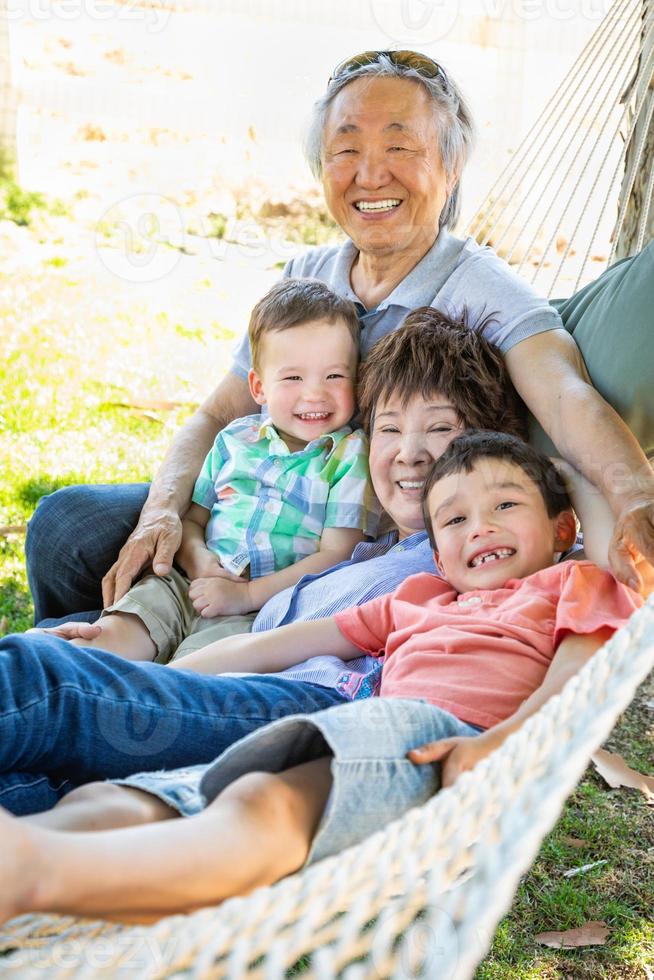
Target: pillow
pixel 612 321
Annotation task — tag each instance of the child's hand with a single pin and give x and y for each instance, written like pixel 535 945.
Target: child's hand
pixel 205 564
pixel 456 755
pixel 220 596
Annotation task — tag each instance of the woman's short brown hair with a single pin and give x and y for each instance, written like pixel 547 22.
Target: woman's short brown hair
pixel 432 353
pixel 292 302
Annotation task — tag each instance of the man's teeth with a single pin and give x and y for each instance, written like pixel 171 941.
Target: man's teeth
pixel 491 556
pixel 314 415
pixel 391 202
pixel 411 484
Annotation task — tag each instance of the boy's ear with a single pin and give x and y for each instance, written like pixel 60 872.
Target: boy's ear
pixel 255 384
pixel 565 528
pixel 438 562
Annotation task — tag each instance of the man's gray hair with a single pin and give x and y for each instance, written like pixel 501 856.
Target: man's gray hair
pixel 455 130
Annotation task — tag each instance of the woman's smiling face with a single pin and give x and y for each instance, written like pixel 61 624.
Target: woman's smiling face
pixel 405 440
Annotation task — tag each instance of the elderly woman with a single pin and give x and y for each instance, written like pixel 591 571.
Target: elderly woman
pixel 69 716
pixel 389 140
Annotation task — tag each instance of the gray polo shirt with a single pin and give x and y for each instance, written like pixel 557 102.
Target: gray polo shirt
pixel 454 275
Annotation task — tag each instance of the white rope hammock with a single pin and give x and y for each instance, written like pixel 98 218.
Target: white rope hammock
pixel 545 211
pixel 422 897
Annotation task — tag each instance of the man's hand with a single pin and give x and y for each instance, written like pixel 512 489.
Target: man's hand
pixel 456 755
pixel 633 539
pixel 154 540
pixel 220 596
pixel 71 631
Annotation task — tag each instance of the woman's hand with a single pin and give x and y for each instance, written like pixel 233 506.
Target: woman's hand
pixel 221 596
pixel 71 631
pixel 456 755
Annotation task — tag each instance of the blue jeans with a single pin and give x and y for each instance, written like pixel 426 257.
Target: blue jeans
pixel 73 539
pixel 71 715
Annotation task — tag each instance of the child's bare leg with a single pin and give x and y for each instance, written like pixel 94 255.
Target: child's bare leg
pixel 258 830
pixel 123 634
pixel 102 806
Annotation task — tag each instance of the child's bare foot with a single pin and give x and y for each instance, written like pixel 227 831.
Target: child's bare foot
pixel 19 867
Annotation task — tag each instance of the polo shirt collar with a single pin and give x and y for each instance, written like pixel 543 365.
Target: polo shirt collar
pixel 277 445
pixel 419 287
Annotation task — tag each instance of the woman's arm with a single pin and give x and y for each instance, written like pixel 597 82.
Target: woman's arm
pixel 272 651
pixel 460 754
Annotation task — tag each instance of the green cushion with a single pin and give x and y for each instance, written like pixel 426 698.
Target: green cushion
pixel 612 321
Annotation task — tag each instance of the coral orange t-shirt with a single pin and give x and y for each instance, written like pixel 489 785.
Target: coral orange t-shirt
pixel 480 654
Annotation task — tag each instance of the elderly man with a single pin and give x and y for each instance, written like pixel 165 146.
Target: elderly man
pixel 389 139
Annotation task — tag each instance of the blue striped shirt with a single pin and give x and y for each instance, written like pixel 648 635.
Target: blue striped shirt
pixel 375 568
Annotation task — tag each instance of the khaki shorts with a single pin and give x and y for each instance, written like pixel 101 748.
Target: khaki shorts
pixel 163 606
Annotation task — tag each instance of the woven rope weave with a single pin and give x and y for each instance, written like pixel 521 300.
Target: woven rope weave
pixel 440 877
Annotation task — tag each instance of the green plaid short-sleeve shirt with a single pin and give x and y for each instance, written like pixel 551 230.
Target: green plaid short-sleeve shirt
pixel 269 506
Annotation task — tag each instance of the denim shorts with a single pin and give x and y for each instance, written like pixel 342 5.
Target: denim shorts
pixel 373 781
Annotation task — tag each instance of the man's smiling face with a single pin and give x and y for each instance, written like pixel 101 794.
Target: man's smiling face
pixel 383 176
pixel 491 525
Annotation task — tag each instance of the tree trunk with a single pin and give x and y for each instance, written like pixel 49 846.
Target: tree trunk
pixel 7 97
pixel 627 240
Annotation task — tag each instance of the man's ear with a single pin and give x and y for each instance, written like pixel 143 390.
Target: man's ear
pixel 255 385
pixel 565 528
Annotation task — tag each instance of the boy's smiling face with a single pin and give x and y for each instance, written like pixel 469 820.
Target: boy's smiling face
pixel 306 378
pixel 491 525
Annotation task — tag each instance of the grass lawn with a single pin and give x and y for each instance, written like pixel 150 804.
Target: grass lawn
pixel 88 362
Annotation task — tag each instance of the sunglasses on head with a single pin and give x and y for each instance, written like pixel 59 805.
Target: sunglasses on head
pixel 420 63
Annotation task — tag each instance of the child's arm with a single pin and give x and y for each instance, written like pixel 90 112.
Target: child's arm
pixel 193 555
pixel 221 597
pixel 460 754
pixel 269 652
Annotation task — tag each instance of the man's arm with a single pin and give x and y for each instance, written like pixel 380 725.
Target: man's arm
pixel 549 373
pixel 457 755
pixel 158 533
pixel 269 652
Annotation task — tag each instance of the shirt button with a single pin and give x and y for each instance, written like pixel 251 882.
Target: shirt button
pixel 399 547
pixel 472 601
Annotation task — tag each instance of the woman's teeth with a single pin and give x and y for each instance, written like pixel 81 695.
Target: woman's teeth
pixel 411 484
pixel 387 205
pixel 491 556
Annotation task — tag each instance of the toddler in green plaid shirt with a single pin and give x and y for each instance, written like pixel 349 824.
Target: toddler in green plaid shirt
pixel 281 495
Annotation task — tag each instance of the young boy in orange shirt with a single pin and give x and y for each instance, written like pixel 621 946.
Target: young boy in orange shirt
pixel 467 658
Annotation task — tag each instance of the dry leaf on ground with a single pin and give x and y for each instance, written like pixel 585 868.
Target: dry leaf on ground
pixel 615 771
pixel 575 842
pixel 590 934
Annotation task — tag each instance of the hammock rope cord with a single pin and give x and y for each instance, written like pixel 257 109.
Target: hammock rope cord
pixel 582 137
pixel 423 896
